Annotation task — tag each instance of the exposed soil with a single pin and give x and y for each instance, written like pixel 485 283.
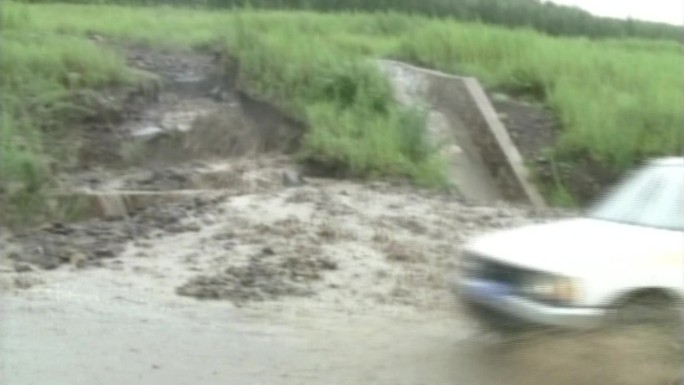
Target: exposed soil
pixel 535 130
pixel 87 244
pixel 193 113
pixel 264 277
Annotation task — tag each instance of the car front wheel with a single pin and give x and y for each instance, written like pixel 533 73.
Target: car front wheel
pixel 648 308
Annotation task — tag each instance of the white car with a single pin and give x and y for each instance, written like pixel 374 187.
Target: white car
pixel 575 273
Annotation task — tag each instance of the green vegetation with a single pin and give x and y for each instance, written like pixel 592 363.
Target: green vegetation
pixel 554 19
pixel 40 74
pixel 355 126
pixel 619 99
pixel 617 102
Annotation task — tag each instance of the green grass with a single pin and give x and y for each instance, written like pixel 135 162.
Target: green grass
pixel 39 74
pixel 619 100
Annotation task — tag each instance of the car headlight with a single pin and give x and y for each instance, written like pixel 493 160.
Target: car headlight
pixel 550 288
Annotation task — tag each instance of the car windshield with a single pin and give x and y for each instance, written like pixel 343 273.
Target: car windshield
pixel 652 197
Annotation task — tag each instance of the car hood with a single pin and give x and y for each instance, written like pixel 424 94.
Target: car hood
pixel 580 246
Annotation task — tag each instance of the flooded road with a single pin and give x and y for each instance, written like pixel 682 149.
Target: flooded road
pixel 328 282
pixel 105 327
pixel 65 333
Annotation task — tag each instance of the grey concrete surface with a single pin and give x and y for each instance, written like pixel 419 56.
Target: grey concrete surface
pixel 485 164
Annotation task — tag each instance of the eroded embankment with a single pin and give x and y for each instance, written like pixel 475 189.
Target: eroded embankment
pixel 193 136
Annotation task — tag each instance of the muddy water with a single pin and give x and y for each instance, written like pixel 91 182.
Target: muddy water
pixel 382 316
pixel 132 331
pixel 66 333
pixel 127 337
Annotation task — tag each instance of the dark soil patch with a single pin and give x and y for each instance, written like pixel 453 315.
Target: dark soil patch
pixel 535 131
pixel 267 276
pixel 88 243
pixel 192 112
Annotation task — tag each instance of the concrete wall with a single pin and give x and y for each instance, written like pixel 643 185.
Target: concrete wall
pixel 476 124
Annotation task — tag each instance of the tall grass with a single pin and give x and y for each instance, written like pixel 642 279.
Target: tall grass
pixel 356 127
pixel 39 73
pixel 22 170
pixel 619 101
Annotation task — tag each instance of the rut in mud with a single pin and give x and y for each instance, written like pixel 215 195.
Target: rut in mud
pixel 252 233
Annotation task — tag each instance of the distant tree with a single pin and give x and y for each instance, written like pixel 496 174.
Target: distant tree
pixel 545 17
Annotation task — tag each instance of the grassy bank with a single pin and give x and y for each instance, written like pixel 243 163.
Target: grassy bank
pixel 40 74
pixel 619 100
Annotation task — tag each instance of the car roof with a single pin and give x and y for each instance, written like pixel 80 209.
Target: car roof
pixel 670 161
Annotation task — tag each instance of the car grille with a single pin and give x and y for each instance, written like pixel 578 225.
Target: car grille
pixel 487 269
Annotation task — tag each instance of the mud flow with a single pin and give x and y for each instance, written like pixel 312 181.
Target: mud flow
pixel 182 134
pixel 210 257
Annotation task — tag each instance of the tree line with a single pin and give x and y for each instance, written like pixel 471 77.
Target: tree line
pixel 546 17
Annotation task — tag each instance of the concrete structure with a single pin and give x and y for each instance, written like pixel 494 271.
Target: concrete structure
pixel 485 164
